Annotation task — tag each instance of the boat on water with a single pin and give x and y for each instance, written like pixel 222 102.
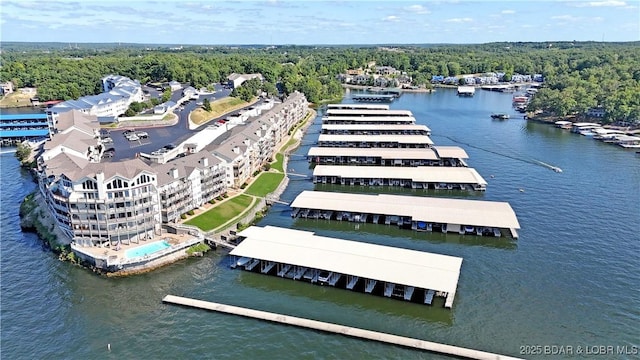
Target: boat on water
pixel 520 99
pixel 500 116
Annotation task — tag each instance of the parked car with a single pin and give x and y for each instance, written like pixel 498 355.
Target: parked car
pixel 133 137
pixel 170 146
pixel 108 154
pixel 107 140
pixel 142 134
pixel 127 132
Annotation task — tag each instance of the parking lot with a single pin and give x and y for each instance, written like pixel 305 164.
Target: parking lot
pixel 158 137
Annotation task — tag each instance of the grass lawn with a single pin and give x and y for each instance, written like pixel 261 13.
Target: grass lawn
pixel 277 165
pixel 221 213
pixel 16 99
pixel 267 182
pixel 218 108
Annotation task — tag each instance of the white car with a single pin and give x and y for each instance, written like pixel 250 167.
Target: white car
pixel 107 140
pixel 142 135
pixel 133 137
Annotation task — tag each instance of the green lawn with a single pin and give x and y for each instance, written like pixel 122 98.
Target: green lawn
pixel 277 165
pixel 218 108
pixel 267 182
pixel 221 213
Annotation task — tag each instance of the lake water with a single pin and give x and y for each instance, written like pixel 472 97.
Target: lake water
pixel 571 279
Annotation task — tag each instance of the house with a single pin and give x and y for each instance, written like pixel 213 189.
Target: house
pixel 174 85
pixel 538 78
pixel 437 79
pixel 387 70
pixel 190 92
pixel 164 107
pixel 597 112
pixel 236 80
pixel 6 87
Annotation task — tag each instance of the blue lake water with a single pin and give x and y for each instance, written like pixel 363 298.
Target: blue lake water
pixel 572 278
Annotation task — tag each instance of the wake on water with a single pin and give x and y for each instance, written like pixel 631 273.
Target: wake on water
pixel 517 158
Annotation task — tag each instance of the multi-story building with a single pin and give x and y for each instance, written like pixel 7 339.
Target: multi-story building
pixel 119 93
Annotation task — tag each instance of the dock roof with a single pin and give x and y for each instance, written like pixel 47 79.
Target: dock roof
pixel 358 106
pixel 369 112
pixel 400 139
pixel 381 119
pixel 388 127
pixel 383 263
pixel 383 153
pixel 427 209
pixel 425 174
pixel 453 152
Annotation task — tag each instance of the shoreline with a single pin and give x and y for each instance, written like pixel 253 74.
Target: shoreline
pixel 365 87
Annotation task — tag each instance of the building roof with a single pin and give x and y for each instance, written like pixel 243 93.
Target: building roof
pixel 384 153
pixel 427 209
pixel 383 263
pixel 403 119
pixel 452 152
pixel 78 120
pixel 400 139
pixel 368 112
pixel 185 166
pixel 426 174
pixel 74 139
pixel 376 127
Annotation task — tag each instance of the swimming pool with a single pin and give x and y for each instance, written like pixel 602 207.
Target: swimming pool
pixel 147 249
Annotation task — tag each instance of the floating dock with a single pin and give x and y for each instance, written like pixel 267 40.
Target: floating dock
pixel 377 141
pixel 389 271
pixel 466 217
pixel 358 106
pixel 337 329
pixel 432 156
pixel 375 129
pixel 368 113
pixel 466 90
pixel 355 119
pixel 413 177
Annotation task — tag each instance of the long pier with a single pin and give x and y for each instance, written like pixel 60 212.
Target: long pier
pixel 337 329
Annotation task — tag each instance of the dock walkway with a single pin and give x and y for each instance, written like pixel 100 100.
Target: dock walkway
pixel 337 329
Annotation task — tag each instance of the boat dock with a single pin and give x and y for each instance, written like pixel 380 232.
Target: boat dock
pixel 355 119
pixel 466 90
pixel 360 112
pixel 415 177
pixel 465 217
pixel 375 141
pixel 431 156
pixel 375 129
pixel 373 97
pixel 375 269
pixel 337 329
pixel 358 106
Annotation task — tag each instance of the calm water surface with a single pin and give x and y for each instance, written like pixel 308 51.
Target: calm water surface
pixel 570 279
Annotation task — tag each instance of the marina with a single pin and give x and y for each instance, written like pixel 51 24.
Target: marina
pixel 466 91
pixel 378 119
pixel 368 112
pixel 374 269
pixel 373 97
pixel 375 129
pixel 465 217
pixel 375 141
pixel 415 177
pixel 431 156
pixel 16 128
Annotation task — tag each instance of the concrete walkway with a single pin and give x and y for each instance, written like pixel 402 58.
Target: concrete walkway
pixel 338 329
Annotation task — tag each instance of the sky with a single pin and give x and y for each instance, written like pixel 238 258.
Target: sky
pixel 302 22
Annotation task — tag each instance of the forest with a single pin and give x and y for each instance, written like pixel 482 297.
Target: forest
pixel 578 75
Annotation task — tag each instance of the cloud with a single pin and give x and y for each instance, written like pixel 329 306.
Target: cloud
pixel 612 3
pixel 506 12
pixel 391 18
pixel 565 18
pixel 418 9
pixel 459 20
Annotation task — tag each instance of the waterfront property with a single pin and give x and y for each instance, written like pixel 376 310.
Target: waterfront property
pixel 431 156
pixel 466 217
pixel 367 112
pixel 358 106
pixel 375 269
pixel 414 177
pixel 375 129
pixel 466 90
pixel 16 128
pixel 373 97
pixel 378 119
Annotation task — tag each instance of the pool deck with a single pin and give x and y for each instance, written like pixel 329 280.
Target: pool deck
pixel 114 259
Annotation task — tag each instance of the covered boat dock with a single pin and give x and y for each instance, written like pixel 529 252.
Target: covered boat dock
pixel 433 156
pixel 466 217
pixel 375 129
pixel 415 177
pixel 355 119
pixel 375 269
pixel 358 106
pixel 368 113
pixel 375 141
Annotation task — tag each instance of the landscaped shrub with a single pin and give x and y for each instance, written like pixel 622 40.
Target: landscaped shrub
pixel 212 201
pixel 266 167
pixel 255 173
pixel 190 212
pixel 243 186
pixel 183 216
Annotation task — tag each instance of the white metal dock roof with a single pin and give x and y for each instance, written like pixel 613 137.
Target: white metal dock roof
pixel 427 209
pixel 358 106
pixel 400 139
pixel 368 112
pixel 384 153
pixel 453 152
pixel 381 119
pixel 389 127
pixel 427 174
pixel 383 263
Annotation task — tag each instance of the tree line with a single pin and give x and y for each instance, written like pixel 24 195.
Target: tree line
pixel 578 75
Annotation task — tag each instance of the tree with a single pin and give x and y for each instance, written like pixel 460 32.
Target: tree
pixel 206 104
pixel 166 95
pixel 23 152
